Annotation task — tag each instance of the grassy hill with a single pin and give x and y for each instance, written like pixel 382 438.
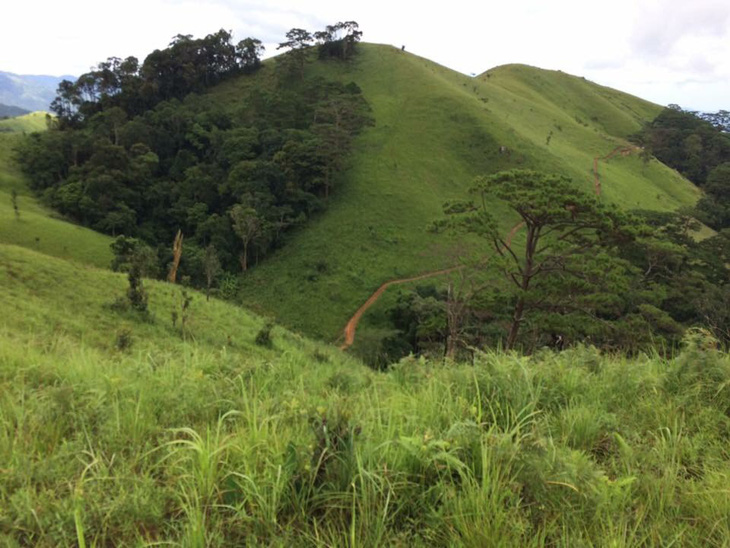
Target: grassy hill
pixel 117 429
pixel 37 227
pixel 27 123
pixel 435 130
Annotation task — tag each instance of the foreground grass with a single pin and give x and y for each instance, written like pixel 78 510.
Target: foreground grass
pixel 116 429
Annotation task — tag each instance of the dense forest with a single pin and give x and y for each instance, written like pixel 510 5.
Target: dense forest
pixel 141 150
pixel 698 146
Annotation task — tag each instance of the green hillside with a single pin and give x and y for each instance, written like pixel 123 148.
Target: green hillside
pixel 436 129
pixel 37 227
pixel 34 121
pixel 116 429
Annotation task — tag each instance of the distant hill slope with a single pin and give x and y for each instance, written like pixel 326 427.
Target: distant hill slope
pixel 37 227
pixel 27 123
pixel 9 111
pixel 435 129
pixel 32 92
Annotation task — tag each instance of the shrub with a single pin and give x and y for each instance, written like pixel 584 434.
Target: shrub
pixel 263 337
pixel 124 339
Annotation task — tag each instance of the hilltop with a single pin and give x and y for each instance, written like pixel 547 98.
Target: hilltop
pixel 434 130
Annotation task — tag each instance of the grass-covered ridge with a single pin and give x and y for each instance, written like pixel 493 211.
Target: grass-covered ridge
pixel 435 130
pixel 212 440
pixel 27 123
pixel 37 227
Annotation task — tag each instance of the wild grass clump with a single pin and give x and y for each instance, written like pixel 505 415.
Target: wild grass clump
pixel 198 442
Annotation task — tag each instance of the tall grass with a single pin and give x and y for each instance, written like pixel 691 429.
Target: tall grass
pixel 216 441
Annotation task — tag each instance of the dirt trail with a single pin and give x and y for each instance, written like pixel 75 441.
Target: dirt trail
pixel 351 326
pixel 622 150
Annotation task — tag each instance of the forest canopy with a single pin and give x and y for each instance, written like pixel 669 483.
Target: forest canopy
pixel 142 150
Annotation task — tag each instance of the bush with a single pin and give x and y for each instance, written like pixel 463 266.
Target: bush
pixel 124 339
pixel 263 337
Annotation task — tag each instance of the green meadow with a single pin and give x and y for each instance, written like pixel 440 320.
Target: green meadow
pixel 127 430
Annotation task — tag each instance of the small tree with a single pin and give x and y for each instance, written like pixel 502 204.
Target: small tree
pixel 14 201
pixel 568 264
pixel 248 225
pixel 248 52
pixel 339 40
pixel 212 266
pixel 297 41
pixel 138 260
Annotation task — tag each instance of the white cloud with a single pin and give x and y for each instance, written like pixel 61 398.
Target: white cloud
pixel 647 47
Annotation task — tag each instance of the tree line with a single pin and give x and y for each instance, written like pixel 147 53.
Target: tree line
pixel 144 150
pixel 698 146
pixel 578 270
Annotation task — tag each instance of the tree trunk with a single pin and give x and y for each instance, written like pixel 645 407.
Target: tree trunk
pixel 533 235
pixel 244 258
pixel 517 317
pixel 176 254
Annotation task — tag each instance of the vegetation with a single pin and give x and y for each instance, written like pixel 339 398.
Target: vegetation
pixel 27 123
pixel 137 151
pixel 37 227
pixel 116 430
pixel 435 131
pixel 698 146
pixel 135 412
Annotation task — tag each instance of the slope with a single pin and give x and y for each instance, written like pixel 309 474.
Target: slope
pixel 115 430
pixel 436 129
pixel 37 227
pixel 27 123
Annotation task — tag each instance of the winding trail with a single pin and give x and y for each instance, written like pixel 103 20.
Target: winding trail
pixel 622 150
pixel 352 324
pixel 351 327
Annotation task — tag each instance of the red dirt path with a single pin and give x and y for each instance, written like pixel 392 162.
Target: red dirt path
pixel 351 326
pixel 622 150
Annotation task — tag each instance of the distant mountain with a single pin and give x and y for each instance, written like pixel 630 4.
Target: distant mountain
pixel 8 111
pixel 31 92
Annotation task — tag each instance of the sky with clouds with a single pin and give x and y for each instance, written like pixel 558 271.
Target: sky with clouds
pixel 667 51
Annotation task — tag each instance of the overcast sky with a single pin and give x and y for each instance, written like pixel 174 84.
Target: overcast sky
pixel 667 51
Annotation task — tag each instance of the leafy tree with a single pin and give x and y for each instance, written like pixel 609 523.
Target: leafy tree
pixel 249 52
pixel 248 225
pixel 298 42
pixel 339 40
pixel 568 265
pixel 714 207
pixel 212 266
